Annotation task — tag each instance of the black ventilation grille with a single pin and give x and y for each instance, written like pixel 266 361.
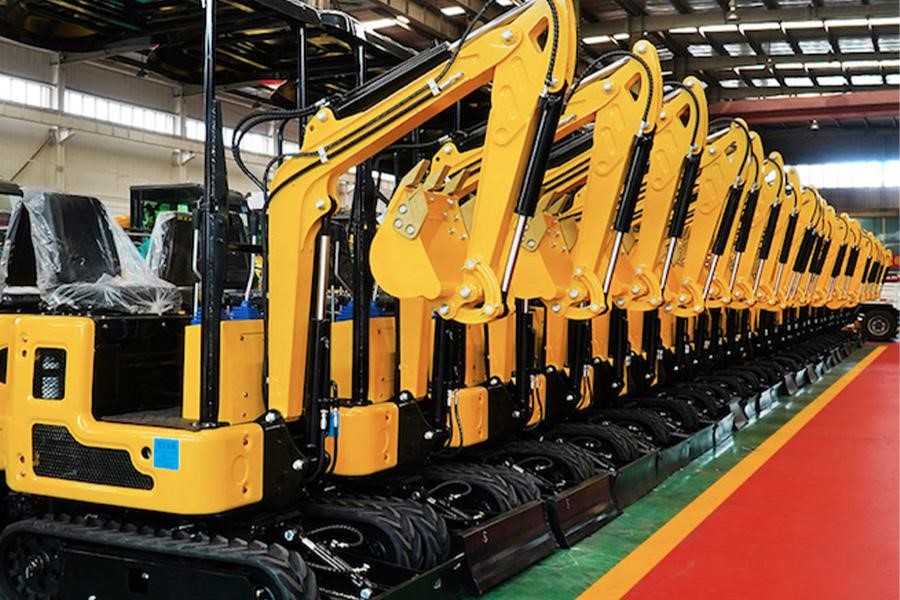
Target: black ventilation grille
pixel 58 455
pixel 49 374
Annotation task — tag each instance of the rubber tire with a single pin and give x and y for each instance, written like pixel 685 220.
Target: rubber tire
pixel 652 426
pixel 883 316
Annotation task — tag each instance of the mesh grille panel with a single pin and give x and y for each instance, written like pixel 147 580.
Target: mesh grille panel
pixel 58 455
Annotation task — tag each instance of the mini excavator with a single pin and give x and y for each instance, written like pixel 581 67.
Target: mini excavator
pixel 596 277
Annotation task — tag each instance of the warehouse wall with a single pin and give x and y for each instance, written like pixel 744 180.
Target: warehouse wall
pixel 97 164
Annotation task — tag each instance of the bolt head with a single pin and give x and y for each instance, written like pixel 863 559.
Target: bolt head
pixel 322 115
pixel 641 48
pixel 662 116
pixel 712 150
pixel 488 309
pixel 444 309
pixel 270 417
pixel 620 302
pixel 573 293
pixel 398 223
pixel 403 209
pixel 410 229
pixel 290 535
pixel 465 291
pixel 607 87
pixel 448 149
pixel 531 244
pixel 320 204
pixel 507 35
pixel 682 298
pixel 298 464
pixel 470 264
pixel 636 289
pixel 595 308
pixel 429 435
pixel 668 308
pixel 556 308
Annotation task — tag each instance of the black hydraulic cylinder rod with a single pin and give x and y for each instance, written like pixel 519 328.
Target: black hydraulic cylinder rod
pixel 851 262
pixel 524 355
pixel 448 344
pixel 806 247
pixel 839 260
pixel 363 228
pixel 728 215
pixel 631 189
pixel 823 256
pixel 769 232
pixel 212 230
pixel 865 273
pixel 550 107
pixel 690 168
pixel 743 235
pixel 788 238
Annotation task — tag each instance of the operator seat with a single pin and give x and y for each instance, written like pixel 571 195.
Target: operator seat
pixel 170 256
pixel 64 251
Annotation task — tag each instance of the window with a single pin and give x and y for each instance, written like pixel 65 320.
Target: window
pixel 851 174
pixel 27 92
pixel 119 113
pixel 251 142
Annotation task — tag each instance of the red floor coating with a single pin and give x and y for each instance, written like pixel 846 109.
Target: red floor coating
pixel 821 519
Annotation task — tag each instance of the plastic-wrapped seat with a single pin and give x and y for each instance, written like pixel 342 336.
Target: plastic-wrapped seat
pixel 65 252
pixel 170 255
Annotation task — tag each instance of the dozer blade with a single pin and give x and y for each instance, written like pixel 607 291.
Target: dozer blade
pixel 723 430
pixel 674 457
pixel 581 510
pixel 635 479
pixel 443 582
pixel 701 441
pixel 505 545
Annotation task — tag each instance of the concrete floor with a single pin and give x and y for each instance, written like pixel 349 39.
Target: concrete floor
pixel 567 573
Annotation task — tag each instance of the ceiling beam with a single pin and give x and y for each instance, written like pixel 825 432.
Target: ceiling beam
pixel 424 17
pixel 715 95
pixel 854 105
pixel 640 24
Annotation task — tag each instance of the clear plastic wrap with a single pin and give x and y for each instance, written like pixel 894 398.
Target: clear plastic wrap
pixel 77 256
pixel 157 256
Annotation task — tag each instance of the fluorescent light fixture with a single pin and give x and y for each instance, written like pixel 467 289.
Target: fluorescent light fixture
pixel 847 23
pixel 884 21
pixel 815 24
pixel 700 50
pixel 790 66
pixel 832 80
pixel 596 39
pixel 505 2
pixel 718 28
pixel 860 64
pixel 866 80
pixel 683 30
pixel 890 63
pixel 831 64
pixel 798 81
pixel 403 19
pixel 764 26
pixel 750 67
pixel 621 36
pixel 379 24
pixel 453 11
pixel 730 83
pixel 893 78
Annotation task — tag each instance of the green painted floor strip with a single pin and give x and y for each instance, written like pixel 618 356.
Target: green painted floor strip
pixel 567 573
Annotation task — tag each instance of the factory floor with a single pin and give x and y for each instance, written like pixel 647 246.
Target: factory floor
pixel 804 504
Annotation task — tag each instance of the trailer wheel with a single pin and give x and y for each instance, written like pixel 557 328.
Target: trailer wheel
pixel 880 324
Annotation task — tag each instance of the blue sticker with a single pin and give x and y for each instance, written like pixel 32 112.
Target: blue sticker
pixel 166 454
